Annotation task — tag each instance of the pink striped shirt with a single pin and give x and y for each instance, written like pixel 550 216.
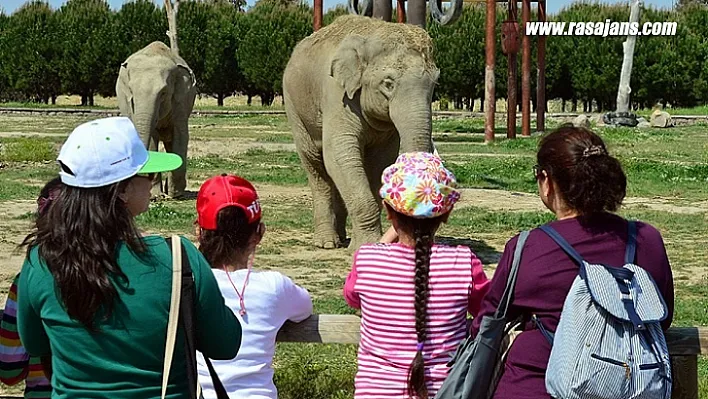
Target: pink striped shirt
pixel 381 284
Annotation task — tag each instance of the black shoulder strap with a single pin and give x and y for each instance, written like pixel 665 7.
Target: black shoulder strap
pixel 187 321
pixel 508 296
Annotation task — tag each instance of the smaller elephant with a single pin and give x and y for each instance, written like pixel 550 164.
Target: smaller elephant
pixel 156 89
pixel 356 92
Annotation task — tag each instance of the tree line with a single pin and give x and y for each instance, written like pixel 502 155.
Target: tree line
pixel 78 48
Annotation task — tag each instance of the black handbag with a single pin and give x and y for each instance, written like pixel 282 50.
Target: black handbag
pixel 476 366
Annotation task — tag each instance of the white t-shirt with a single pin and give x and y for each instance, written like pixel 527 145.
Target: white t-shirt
pixel 271 299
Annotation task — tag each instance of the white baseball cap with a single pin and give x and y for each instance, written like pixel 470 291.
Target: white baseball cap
pixel 106 151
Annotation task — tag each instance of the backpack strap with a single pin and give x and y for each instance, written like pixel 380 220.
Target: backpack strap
pixel 563 244
pixel 508 295
pixel 631 251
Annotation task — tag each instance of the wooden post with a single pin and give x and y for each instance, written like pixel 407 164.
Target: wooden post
pixel 382 10
pixel 626 74
pixel 318 15
pixel 525 71
pixel 511 99
pixel 400 11
pixel 172 24
pixel 541 73
pixel 489 83
pixel 684 372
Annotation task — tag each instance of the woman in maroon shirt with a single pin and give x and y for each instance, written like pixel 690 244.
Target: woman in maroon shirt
pixel 581 184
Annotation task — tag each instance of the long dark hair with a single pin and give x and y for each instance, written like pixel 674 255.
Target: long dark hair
pixel 588 178
pixel 78 238
pixel 424 232
pixel 221 246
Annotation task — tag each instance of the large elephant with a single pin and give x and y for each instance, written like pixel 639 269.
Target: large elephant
pixel 156 90
pixel 355 92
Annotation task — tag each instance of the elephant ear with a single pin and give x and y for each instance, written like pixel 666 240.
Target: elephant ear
pixel 349 62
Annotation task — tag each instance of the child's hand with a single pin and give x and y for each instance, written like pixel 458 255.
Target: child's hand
pixel 390 236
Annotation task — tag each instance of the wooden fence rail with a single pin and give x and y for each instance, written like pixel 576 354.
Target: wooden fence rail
pixel 685 344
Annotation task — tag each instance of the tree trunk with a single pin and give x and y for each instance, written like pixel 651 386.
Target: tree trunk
pixel 84 100
pixel 626 74
pixel 54 100
pixel 220 100
pixel 574 107
pixel 481 104
pixel 563 105
pixel 249 100
pixel 90 98
pixel 172 23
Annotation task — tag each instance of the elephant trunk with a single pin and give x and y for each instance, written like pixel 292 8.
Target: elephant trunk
pixel 413 122
pixel 145 120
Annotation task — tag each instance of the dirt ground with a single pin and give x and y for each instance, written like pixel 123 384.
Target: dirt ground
pixel 13 230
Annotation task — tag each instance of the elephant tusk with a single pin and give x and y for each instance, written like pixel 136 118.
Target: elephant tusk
pixel 449 16
pixel 366 9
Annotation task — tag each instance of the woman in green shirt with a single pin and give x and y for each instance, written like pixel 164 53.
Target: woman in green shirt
pixel 94 293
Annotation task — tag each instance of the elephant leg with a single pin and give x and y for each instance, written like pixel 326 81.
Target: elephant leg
pixel 346 167
pixel 178 145
pixel 378 158
pixel 330 214
pixel 156 190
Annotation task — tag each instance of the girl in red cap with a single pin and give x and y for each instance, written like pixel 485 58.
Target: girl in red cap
pixel 229 229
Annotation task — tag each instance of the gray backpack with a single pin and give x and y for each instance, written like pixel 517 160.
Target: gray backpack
pixel 475 367
pixel 609 343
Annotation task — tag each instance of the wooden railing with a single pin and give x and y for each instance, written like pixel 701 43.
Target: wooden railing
pixel 685 344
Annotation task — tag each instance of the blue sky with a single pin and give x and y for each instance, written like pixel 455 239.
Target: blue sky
pixel 553 5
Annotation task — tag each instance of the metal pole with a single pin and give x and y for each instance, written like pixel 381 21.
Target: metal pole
pixel 489 89
pixel 511 99
pixel 541 73
pixel 416 12
pixel 318 15
pixel 526 72
pixel 382 10
pixel 401 11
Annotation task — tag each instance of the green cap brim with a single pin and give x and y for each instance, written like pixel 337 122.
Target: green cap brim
pixel 161 162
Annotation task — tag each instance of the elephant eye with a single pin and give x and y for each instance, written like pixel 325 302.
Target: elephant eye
pixel 389 84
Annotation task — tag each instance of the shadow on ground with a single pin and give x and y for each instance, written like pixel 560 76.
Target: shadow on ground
pixel 483 251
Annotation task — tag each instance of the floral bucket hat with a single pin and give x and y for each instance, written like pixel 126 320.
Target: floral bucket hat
pixel 418 185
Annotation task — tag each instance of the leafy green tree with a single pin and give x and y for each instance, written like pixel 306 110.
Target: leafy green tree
pixel 4 81
pixel 222 76
pixel 85 33
pixel 274 28
pixel 192 22
pixel 139 23
pixel 459 54
pixel 31 52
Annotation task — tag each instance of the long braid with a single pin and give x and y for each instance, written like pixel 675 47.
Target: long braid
pixel 423 244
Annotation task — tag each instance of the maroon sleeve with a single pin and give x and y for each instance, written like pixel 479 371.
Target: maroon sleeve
pixel 651 255
pixel 496 289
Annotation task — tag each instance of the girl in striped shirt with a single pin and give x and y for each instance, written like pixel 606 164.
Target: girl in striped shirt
pixel 16 365
pixel 414 295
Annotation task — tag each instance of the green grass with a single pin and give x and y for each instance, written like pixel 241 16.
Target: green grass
pixel 668 163
pixel 27 150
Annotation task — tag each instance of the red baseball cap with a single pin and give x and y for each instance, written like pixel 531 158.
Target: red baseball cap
pixel 226 190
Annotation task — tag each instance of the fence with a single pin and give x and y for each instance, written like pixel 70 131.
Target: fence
pixel 685 344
